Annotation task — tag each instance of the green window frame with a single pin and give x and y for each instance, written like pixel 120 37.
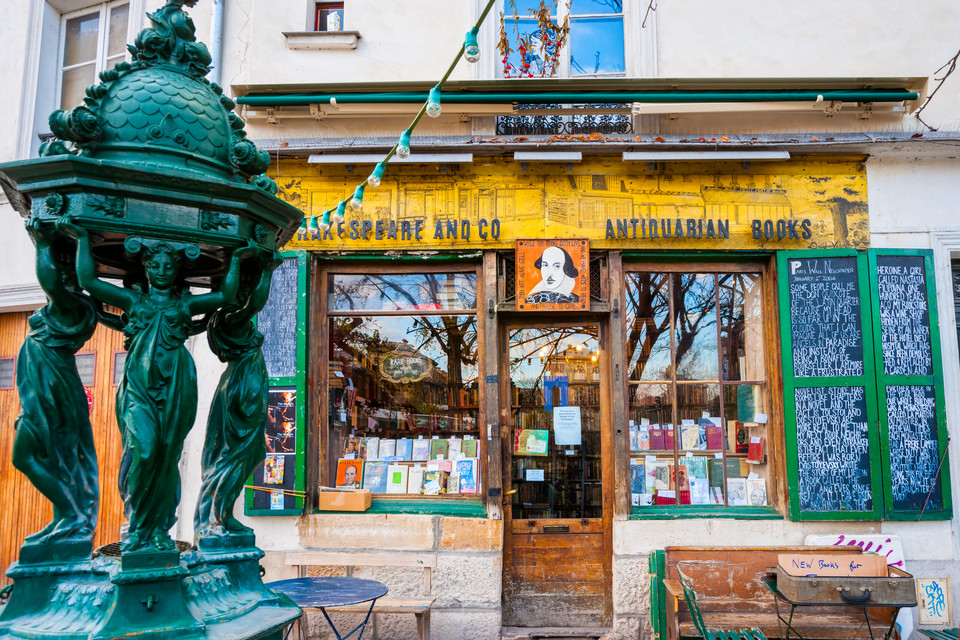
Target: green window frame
pixel 934 380
pixel 297 382
pixel 874 382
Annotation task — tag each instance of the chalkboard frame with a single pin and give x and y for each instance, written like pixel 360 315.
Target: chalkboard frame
pixel 935 380
pixel 299 382
pixel 791 383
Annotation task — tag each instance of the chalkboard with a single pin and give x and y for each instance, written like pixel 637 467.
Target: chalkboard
pixel 825 317
pixel 278 322
pixel 913 446
pixel 904 316
pixel 833 449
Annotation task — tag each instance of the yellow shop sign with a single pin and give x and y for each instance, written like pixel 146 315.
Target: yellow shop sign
pixel 799 204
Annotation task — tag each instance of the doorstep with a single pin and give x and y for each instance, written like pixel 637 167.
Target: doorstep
pixel 556 633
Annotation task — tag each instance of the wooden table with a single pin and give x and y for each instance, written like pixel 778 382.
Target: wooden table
pixel 771 584
pixel 321 593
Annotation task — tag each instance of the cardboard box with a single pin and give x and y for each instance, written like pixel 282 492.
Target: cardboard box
pixel 837 565
pixel 344 499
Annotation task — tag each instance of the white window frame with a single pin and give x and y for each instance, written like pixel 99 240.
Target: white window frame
pixel 562 12
pixel 103 62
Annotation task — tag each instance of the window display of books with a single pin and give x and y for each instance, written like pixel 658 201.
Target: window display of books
pixel 699 462
pixel 435 466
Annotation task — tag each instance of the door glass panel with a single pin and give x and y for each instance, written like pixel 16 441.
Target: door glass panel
pixel 555 412
pixel 741 326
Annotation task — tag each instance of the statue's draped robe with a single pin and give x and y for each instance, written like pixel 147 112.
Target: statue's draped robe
pixel 156 407
pixel 235 442
pixel 54 413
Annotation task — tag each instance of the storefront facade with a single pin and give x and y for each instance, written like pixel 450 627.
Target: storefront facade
pixel 415 333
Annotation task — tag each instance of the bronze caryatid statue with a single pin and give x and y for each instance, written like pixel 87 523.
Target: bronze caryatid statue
pixel 153 202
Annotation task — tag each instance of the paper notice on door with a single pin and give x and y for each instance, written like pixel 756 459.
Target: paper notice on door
pixel 534 475
pixel 566 425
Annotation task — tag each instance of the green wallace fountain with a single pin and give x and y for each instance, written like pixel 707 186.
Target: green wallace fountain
pixel 151 183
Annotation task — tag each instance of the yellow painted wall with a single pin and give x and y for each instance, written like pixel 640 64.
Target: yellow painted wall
pixel 812 202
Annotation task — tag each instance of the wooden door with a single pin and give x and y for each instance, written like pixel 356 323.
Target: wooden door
pixel 25 511
pixel 557 552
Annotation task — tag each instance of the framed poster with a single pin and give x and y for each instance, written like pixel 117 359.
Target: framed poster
pixel 553 275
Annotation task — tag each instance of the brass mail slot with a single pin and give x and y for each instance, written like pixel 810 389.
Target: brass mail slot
pixel 556 528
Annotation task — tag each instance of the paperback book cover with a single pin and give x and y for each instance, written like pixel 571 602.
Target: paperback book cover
pixel 438 448
pixel 738 436
pixel 697 466
pixel 716 472
pixel 638 477
pixel 668 437
pixel 689 437
pixel 420 450
pixel 349 474
pixel 755 450
pixel 405 449
pixel 467 470
pixel 371 447
pixel 714 436
pixel 643 439
pixel 351 447
pixel 656 438
pixel 453 483
pixel 737 492
pixel 388 448
pixel 375 476
pixel 756 492
pixel 434 483
pixel 634 439
pixel 469 448
pixel 415 480
pixel 531 442
pixel 699 491
pixel 454 448
pixel 397 478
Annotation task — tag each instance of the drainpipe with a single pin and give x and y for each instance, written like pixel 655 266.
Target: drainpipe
pixel 216 40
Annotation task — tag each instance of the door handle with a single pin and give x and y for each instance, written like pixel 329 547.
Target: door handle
pixel 556 528
pixel 506 495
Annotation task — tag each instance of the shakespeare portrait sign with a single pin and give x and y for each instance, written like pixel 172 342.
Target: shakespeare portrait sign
pixel 553 275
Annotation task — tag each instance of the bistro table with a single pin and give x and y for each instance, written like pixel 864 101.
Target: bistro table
pixel 771 584
pixel 320 593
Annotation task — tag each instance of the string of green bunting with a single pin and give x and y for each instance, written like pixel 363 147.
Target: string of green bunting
pixel 469 50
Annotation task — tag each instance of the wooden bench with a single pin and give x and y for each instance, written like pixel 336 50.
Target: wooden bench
pixel 731 595
pixel 420 606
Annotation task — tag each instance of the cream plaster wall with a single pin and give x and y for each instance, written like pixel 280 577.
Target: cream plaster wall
pixel 415 43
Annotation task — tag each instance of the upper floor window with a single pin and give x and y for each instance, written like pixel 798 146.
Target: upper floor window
pixel 91 40
pixel 329 16
pixel 565 38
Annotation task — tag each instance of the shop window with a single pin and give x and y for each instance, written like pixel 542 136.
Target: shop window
pixel 8 369
pixel 594 45
pixel 119 362
pixel 403 384
pixel 91 41
pixel 697 382
pixel 329 16
pixel 87 368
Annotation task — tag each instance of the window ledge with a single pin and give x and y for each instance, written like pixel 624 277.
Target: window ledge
pixel 705 511
pixel 321 39
pixel 449 507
